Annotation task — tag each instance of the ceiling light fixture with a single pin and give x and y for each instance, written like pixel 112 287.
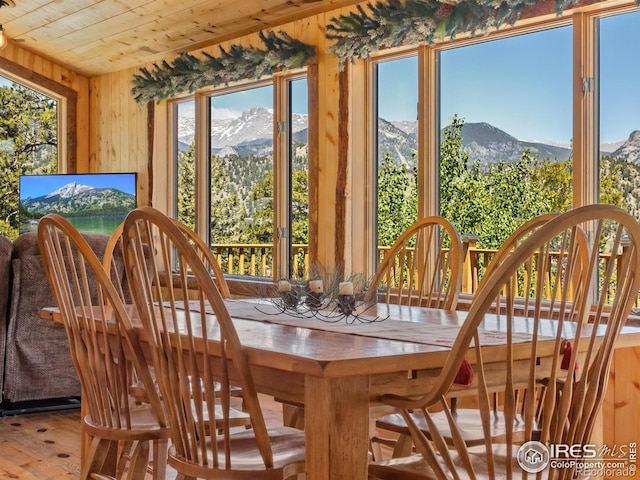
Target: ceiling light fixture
pixel 3 36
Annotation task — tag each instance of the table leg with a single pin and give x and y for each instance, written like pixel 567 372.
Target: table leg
pixel 337 427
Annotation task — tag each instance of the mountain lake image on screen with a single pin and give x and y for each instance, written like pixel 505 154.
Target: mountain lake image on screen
pixel 92 202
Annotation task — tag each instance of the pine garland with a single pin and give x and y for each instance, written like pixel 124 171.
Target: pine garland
pixel 404 22
pixel 188 73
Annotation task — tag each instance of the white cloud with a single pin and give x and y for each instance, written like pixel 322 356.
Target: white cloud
pixel 188 110
pixel 224 113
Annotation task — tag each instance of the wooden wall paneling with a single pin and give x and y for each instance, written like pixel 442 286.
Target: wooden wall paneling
pixel 98 124
pixel 160 159
pixel 359 248
pixel 149 184
pixel 428 146
pixel 145 129
pixel 83 127
pixel 100 97
pixel 120 133
pixel 124 148
pixel 94 125
pixel 140 138
pixel 313 162
pixel 307 31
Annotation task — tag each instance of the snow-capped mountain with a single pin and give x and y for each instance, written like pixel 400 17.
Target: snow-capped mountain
pixel 401 143
pixel 252 131
pixel 491 145
pixel 78 200
pixel 251 134
pixel 253 126
pixel 69 190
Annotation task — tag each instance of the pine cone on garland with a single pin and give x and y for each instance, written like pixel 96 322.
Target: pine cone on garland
pixel 445 10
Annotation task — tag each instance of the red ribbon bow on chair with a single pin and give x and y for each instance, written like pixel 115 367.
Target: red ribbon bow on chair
pixel 566 349
pixel 464 376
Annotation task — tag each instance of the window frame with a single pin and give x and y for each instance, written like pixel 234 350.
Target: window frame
pixel 66 99
pixel 281 163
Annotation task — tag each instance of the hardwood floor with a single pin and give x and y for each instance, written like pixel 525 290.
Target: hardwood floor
pixel 46 446
pixel 40 446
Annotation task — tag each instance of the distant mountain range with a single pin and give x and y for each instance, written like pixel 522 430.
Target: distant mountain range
pixel 251 134
pixel 75 200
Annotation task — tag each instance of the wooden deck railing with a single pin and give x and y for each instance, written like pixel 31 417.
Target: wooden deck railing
pixel 257 260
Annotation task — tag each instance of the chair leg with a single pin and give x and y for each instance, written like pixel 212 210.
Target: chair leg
pixel 160 454
pixel 293 416
pixel 101 458
pixel 138 461
pixel 403 447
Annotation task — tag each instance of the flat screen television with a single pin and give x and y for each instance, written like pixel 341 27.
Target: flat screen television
pixel 92 202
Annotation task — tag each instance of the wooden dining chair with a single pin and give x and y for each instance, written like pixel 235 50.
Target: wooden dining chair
pixel 468 419
pixel 105 352
pixel 113 252
pixel 591 320
pixel 423 267
pixel 192 353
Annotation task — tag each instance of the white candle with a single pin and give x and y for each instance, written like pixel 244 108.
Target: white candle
pixel 346 288
pixel 315 286
pixel 284 286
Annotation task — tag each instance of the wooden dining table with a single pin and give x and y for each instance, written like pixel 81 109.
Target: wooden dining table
pixel 337 367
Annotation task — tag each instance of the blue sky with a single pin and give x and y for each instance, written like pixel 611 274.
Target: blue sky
pixel 522 84
pixel 37 185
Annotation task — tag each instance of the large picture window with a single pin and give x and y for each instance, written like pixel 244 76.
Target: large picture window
pixel 241 167
pixel 506 108
pixel 253 152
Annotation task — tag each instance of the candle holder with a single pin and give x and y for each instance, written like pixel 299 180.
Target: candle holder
pixel 346 304
pixel 314 300
pixel 290 299
pixel 340 302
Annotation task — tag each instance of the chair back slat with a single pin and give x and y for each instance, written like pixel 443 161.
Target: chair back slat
pixel 423 267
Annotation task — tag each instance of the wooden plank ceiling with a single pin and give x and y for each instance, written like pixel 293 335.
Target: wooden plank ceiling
pixel 95 37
